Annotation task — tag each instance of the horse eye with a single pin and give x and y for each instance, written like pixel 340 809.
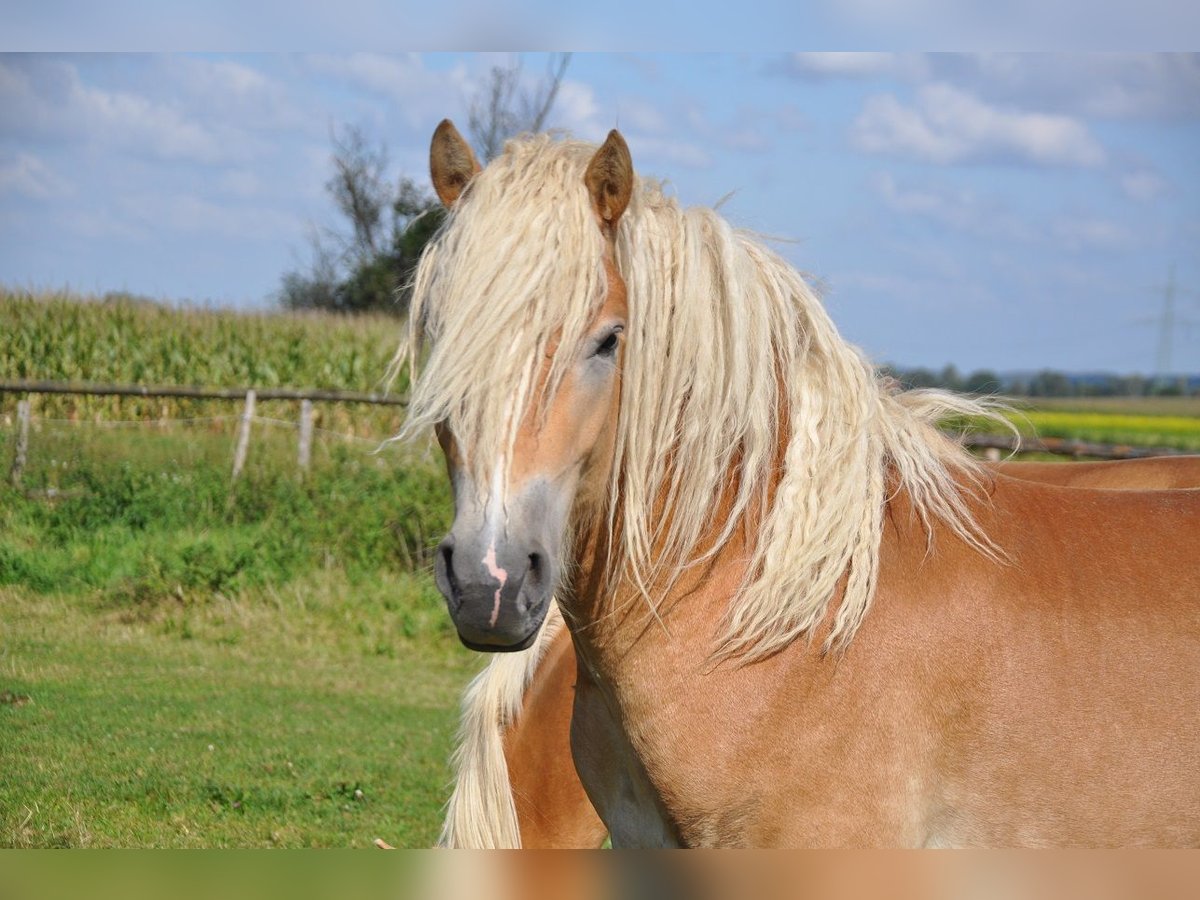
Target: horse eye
pixel 608 347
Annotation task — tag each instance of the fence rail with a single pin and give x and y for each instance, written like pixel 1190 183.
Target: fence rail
pixel 202 393
pixel 993 443
pixel 248 396
pixel 1068 447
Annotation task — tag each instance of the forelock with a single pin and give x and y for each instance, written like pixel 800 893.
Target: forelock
pixel 518 263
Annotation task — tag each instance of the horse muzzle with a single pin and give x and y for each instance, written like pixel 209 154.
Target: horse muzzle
pixel 497 591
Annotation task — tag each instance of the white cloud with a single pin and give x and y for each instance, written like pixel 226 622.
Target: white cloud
pixel 669 151
pixel 1067 24
pixel 838 64
pixel 948 125
pixel 231 92
pixel 950 208
pixel 745 129
pixel 101 224
pixel 640 114
pixel 1093 85
pixel 1086 233
pixel 965 211
pixel 50 98
pixel 751 139
pixel 239 183
pixel 29 176
pixel 575 109
pixel 1142 185
pixel 234 78
pixel 422 96
pixel 1097 85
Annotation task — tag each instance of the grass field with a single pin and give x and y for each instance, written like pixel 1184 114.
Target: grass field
pixel 1185 407
pixel 153 610
pixel 299 716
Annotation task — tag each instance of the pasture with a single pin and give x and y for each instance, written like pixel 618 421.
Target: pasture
pixel 185 663
pixel 295 717
pixel 153 610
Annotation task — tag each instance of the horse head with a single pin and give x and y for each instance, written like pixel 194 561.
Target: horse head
pixel 552 432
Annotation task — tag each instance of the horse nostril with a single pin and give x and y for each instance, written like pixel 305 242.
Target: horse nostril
pixel 535 565
pixel 447 550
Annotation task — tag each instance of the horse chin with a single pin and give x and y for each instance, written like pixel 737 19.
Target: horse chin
pixel 524 644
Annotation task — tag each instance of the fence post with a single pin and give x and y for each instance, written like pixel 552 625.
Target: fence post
pixel 304 456
pixel 243 438
pixel 18 465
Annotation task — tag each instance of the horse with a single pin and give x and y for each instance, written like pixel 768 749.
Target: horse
pixel 802 616
pixel 515 781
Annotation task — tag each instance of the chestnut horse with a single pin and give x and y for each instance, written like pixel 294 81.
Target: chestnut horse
pixel 802 616
pixel 515 780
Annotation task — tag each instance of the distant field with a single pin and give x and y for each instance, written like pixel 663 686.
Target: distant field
pixel 1152 421
pixel 1142 422
pixel 1119 406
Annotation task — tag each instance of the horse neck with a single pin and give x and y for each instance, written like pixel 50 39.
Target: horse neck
pixel 605 606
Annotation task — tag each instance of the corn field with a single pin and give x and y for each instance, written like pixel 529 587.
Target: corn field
pixel 121 339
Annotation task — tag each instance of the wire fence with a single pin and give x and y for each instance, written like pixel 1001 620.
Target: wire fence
pixel 47 431
pixel 47 454
pixel 49 424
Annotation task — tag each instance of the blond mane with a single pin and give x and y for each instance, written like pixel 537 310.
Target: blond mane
pixel 481 814
pixel 728 353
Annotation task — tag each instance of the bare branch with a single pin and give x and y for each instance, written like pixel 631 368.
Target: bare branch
pixel 358 188
pixel 503 109
pixel 537 111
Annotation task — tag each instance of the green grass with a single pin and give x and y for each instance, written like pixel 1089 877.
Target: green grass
pixel 152 609
pixel 141 515
pixel 1179 432
pixel 299 716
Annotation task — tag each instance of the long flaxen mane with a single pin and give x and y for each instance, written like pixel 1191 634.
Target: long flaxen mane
pixel 728 353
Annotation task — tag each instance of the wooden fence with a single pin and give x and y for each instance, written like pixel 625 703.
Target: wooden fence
pixel 248 396
pixel 992 444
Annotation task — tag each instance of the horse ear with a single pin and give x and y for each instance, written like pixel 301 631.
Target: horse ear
pixel 451 162
pixel 609 180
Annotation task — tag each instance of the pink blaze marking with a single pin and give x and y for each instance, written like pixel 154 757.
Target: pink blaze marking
pixel 500 575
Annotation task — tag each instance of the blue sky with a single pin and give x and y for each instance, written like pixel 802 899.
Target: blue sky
pixel 987 209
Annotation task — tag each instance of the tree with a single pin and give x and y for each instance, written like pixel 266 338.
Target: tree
pixel 982 381
pixel 950 379
pixel 1049 383
pixel 919 378
pixel 503 108
pixel 367 263
pixel 359 189
pixel 316 288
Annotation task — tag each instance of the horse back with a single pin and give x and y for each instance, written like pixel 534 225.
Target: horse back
pixel 1153 473
pixel 1061 680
